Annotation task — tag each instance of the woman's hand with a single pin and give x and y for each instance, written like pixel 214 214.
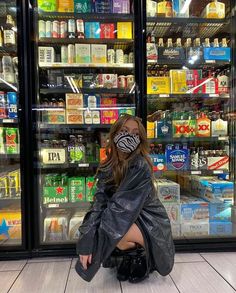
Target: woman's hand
pixel 85 260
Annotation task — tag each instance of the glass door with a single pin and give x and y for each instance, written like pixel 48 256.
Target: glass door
pixel 190 100
pixel 84 80
pixel 10 169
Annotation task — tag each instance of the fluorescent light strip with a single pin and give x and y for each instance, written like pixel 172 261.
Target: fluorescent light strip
pixel 9 84
pixel 74 84
pixel 68 78
pixel 196 87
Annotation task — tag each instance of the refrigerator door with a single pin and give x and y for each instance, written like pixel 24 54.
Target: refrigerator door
pixel 190 99
pixel 85 79
pixel 10 146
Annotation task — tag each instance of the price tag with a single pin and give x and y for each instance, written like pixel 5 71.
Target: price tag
pixel 218 171
pixel 213 95
pixel 164 96
pixel 196 172
pixel 223 138
pixel 83 165
pixel 211 61
pixel 8 121
pixel 53 205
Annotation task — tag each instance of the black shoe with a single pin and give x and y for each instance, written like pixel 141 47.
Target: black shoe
pixel 123 271
pixel 138 269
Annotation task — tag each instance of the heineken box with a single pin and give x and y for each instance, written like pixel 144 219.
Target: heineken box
pixel 90 188
pixel 172 54
pixel 55 194
pixel 77 189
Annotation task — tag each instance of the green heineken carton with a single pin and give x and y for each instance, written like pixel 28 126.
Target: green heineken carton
pixel 77 189
pixel 90 188
pixel 55 194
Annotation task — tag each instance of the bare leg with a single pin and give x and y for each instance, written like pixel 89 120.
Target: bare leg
pixel 131 238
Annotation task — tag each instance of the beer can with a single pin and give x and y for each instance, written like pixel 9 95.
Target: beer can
pixel 63 29
pixel 11 140
pixel 71 28
pixel 2 141
pixel 80 28
pixel 131 57
pixel 64 54
pixel 12 105
pixel 121 81
pixel 48 29
pixel 71 54
pixel 55 29
pixel 119 56
pixel 42 29
pixel 130 81
pixel 111 55
pixel 3 106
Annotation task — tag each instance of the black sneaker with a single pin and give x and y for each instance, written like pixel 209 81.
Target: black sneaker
pixel 138 269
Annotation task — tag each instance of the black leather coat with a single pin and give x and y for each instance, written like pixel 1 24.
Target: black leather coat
pixel 113 213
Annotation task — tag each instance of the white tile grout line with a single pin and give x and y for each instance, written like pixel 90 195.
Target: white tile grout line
pixel 17 277
pixel 69 271
pixel 218 272
pixel 174 282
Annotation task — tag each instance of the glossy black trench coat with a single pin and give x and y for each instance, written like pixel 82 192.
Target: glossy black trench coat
pixel 113 213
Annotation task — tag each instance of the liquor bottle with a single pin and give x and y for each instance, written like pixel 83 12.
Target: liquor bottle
pixel 179 43
pixel 164 126
pixel 71 28
pixel 203 126
pixel 224 43
pixel 219 126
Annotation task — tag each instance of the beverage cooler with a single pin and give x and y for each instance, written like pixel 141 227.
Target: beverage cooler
pixel 84 80
pixel 190 92
pixel 12 94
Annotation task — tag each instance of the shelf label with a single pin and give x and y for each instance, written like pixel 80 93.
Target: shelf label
pixel 53 156
pixel 223 138
pixel 53 205
pixel 196 172
pixel 8 121
pixel 164 96
pixel 83 165
pixel 218 171
pixel 213 95
pixel 210 61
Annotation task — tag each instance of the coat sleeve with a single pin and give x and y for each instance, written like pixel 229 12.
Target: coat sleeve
pixel 126 204
pixel 92 220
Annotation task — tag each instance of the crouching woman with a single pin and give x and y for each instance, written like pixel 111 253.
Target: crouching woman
pixel 126 215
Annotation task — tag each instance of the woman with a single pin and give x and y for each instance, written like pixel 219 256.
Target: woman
pixel 126 214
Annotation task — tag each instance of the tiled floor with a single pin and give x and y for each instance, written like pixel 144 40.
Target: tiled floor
pixel 192 273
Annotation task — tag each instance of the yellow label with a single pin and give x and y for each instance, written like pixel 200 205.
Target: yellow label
pixel 178 81
pixel 65 6
pixel 124 30
pixel 161 7
pixel 158 85
pixel 150 129
pixel 214 10
pixel 10 223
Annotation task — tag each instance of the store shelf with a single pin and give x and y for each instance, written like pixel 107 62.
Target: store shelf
pixel 87 127
pixel 174 64
pixel 9 156
pixel 54 41
pixel 188 139
pixel 117 91
pixel 8 50
pixel 69 205
pixel 175 97
pixel 194 172
pixel 8 121
pixel 8 201
pixel 185 27
pixel 105 17
pixel 68 166
pixel 87 65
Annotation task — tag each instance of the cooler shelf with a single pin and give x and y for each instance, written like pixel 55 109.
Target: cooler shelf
pixel 52 41
pixel 8 50
pixel 194 172
pixel 173 97
pixel 186 27
pixel 9 156
pixel 105 17
pixel 188 139
pixel 68 205
pixel 87 91
pixel 46 126
pixel 180 64
pixel 57 65
pixel 8 121
pixel 68 166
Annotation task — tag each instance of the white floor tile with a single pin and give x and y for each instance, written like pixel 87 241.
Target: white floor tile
pixel 48 277
pixel 199 277
pixel 12 265
pixel 104 282
pixel 7 279
pixel 225 264
pixel 188 257
pixel 155 284
pixel 49 259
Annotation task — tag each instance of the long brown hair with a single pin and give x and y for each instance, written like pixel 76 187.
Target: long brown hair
pixel 119 167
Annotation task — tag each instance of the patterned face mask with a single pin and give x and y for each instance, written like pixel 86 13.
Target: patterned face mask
pixel 126 142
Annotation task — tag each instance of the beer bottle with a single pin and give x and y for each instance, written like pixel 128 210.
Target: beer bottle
pixel 169 43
